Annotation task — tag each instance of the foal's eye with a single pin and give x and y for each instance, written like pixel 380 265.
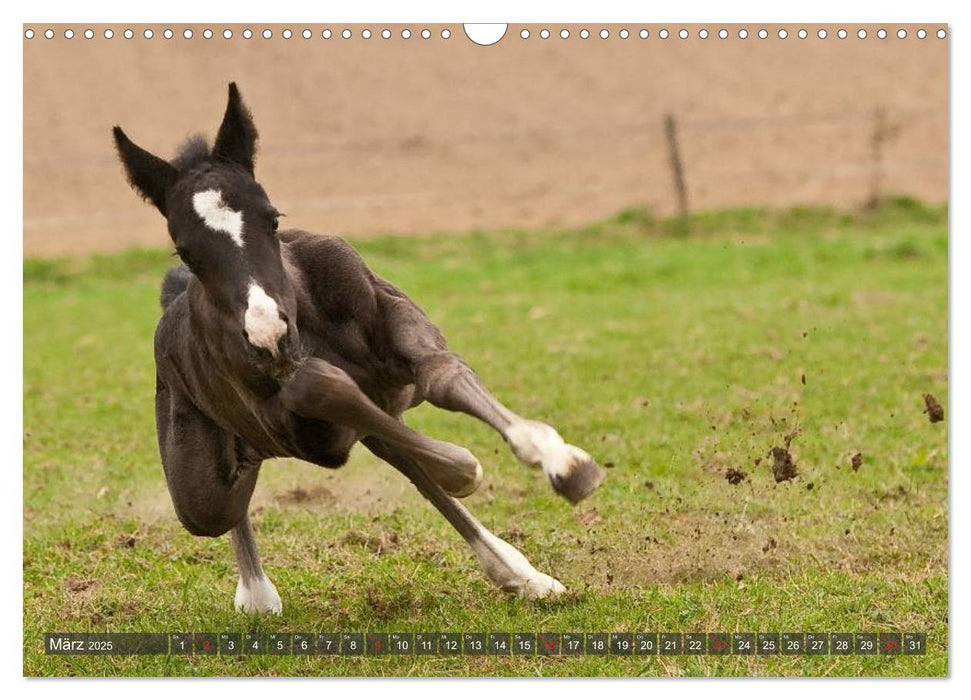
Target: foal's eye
pixel 276 223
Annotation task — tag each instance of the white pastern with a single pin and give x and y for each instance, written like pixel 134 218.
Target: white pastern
pixel 262 321
pixel 511 571
pixel 259 596
pixel 214 212
pixel 539 445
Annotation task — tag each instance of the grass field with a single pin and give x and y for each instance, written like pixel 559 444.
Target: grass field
pixel 672 353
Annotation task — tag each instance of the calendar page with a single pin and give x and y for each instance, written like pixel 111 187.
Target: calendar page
pixel 442 349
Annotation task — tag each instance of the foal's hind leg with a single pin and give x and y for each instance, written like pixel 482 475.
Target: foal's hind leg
pixel 446 381
pixel 503 563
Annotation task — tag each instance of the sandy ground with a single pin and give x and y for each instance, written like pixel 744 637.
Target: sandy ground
pixel 406 136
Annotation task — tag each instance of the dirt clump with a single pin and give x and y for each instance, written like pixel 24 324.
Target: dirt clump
pixel 735 476
pixel 783 466
pixel 934 411
pixel 856 462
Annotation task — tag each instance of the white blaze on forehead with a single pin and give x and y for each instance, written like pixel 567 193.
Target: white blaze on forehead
pixel 211 208
pixel 262 321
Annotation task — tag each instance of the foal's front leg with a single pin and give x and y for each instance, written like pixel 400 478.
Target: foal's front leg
pixel 321 391
pixel 211 475
pixel 254 591
pixel 504 564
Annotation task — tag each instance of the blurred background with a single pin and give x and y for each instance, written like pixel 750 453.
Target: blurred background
pixel 414 135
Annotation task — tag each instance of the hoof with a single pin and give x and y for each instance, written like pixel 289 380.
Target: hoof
pixel 572 472
pixel 542 588
pixel 258 596
pixel 581 477
pixel 469 488
pixel 511 571
pixel 453 468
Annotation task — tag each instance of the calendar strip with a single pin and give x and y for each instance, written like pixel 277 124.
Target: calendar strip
pixel 241 644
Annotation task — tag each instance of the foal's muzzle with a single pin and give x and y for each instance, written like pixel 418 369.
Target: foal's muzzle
pixel 265 324
pixel 278 364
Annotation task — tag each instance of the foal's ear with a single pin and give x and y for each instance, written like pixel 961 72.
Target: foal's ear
pixel 148 174
pixel 237 135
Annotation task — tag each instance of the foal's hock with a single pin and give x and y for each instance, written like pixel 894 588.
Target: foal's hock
pixel 284 344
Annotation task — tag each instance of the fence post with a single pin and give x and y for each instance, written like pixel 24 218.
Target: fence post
pixel 677 169
pixel 883 132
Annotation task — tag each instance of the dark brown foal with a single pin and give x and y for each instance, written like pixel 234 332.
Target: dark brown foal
pixel 284 344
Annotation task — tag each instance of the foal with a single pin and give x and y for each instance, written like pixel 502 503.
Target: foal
pixel 284 344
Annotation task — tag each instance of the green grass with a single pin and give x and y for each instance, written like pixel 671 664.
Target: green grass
pixel 670 352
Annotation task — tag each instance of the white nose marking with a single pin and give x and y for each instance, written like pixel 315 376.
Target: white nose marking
pixel 262 321
pixel 211 208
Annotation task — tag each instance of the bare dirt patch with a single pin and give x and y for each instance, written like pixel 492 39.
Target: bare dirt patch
pixel 385 605
pixel 589 518
pixel 363 485
pixel 300 495
pixel 78 585
pixel 126 541
pixel 702 545
pixel 380 543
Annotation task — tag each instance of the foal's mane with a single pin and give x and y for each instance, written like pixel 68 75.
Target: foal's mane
pixel 193 151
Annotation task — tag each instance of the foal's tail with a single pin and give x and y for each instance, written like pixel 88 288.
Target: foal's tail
pixel 175 282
